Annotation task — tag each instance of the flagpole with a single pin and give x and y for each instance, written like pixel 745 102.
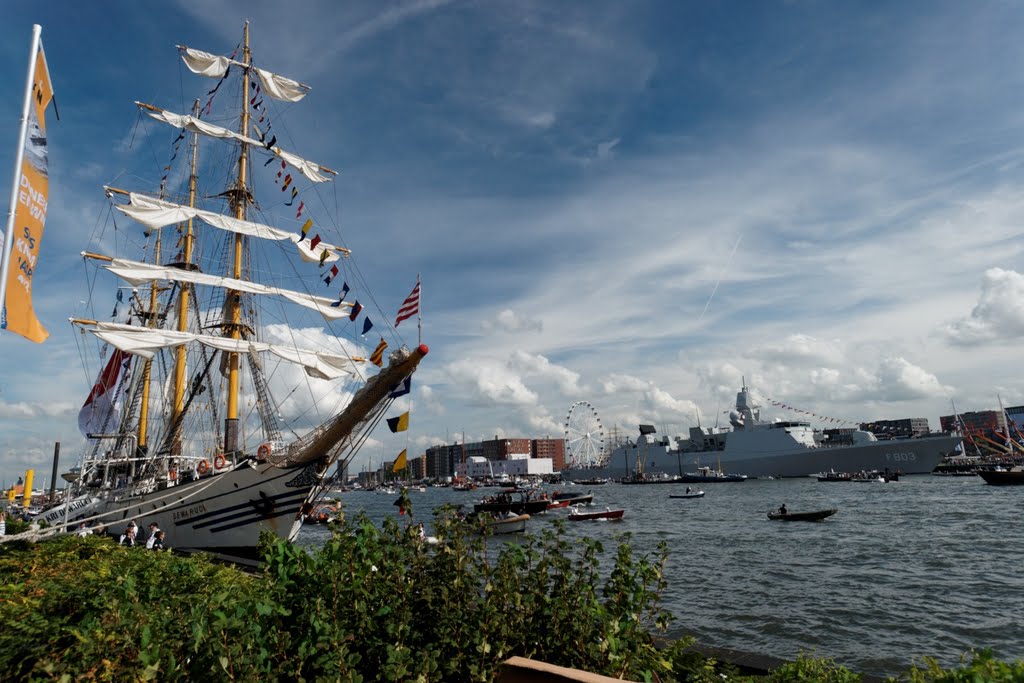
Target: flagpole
pixel 18 159
pixel 419 313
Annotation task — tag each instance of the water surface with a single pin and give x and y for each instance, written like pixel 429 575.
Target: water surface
pixel 924 566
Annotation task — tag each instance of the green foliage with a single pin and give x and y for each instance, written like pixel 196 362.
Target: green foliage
pixel 373 604
pixel 982 668
pixel 807 669
pixel 15 526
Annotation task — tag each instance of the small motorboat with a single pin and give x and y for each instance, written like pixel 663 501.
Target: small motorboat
pixel 509 523
pixel 812 516
pixel 570 498
pixel 577 515
pixel 696 493
pixel 709 475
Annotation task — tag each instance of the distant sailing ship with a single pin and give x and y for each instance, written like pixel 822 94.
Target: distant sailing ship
pixel 184 430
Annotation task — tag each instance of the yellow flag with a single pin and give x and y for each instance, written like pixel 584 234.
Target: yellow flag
pixel 400 423
pixel 377 357
pixel 30 213
pixel 400 463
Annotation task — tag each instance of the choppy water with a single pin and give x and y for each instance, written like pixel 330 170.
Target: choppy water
pixel 924 566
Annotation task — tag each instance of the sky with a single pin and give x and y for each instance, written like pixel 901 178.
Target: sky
pixel 638 205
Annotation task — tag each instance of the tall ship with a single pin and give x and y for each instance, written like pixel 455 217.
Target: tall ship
pixel 233 376
pixel 759 448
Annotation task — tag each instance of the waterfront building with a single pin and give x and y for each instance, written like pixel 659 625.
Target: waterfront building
pixel 516 465
pixel 975 421
pixel 554 449
pixel 1016 415
pixel 501 449
pixel 441 460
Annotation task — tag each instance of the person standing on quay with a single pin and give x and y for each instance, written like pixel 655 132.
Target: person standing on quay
pixel 128 537
pixel 153 531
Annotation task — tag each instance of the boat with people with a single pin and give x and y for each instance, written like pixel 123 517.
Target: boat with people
pixel 518 501
pixel 324 513
pixel 710 475
pixel 570 498
pixel 864 476
pixel 578 515
pixel 1002 476
pixel 689 493
pixel 182 425
pixel 784 515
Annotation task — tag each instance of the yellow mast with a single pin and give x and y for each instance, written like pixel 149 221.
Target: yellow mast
pixel 147 369
pixel 239 200
pixel 179 362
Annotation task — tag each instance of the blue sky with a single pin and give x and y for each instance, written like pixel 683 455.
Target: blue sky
pixel 633 204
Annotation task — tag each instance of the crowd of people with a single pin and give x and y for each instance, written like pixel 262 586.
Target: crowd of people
pixel 130 536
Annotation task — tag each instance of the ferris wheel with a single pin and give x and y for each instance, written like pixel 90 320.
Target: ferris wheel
pixel 584 437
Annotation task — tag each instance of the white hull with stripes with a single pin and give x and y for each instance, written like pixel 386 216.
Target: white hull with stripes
pixel 223 514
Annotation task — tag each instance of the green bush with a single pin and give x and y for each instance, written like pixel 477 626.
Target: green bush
pixel 374 603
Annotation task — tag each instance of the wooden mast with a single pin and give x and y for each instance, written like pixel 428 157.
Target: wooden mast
pixel 183 295
pixel 147 369
pixel 238 201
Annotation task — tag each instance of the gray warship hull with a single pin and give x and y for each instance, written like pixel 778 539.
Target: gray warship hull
pixel 909 456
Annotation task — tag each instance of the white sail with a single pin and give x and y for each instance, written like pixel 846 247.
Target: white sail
pixel 146 342
pixel 205 64
pixel 311 170
pixel 157 213
pixel 281 87
pixel 215 66
pixel 137 273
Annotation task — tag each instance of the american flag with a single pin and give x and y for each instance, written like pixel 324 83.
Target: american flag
pixel 411 305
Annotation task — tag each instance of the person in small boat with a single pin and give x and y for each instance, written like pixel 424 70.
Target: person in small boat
pixel 687 489
pixel 783 510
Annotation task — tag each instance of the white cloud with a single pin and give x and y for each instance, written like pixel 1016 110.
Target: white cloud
pixel 510 321
pixel 490 382
pixel 22 409
pixel 534 365
pixel 998 315
pixel 800 348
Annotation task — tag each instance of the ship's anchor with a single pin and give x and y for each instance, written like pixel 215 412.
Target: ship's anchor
pixel 264 506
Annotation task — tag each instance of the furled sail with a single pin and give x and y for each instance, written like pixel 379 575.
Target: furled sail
pixel 157 213
pixel 215 66
pixel 313 171
pixel 137 273
pixel 146 342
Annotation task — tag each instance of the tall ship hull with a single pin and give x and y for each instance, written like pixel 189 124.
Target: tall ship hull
pixel 223 514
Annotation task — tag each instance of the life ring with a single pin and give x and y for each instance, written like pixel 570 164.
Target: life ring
pixel 204 466
pixel 263 452
pixel 219 462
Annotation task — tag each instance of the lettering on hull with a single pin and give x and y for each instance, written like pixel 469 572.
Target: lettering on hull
pixel 190 511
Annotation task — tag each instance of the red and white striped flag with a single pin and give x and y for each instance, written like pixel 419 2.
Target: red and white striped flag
pixel 411 305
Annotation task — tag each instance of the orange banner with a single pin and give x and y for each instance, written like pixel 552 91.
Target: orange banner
pixel 30 214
